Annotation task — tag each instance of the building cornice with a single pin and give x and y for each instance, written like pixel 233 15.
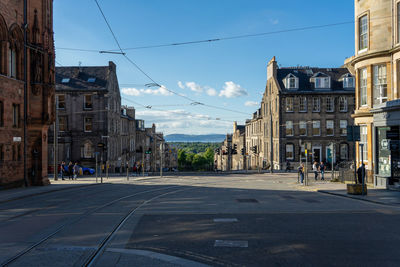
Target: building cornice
pixel 374 55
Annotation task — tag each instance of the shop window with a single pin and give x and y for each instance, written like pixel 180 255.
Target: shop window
pixel 364 142
pixel 289 152
pixel 380 84
pixel 303 104
pixel 384 153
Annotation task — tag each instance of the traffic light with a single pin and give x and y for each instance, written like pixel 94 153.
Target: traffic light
pixel 234 149
pixel 254 149
pixel 242 151
pixel 148 151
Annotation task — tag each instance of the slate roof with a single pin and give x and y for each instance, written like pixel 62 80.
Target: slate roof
pixel 241 128
pixel 79 77
pixel 304 74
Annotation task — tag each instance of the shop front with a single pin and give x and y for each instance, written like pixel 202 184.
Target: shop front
pixel 387 145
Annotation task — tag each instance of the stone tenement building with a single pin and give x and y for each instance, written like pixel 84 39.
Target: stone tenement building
pixel 89 114
pixel 254 141
pixel 39 65
pixel 229 156
pixel 377 69
pixel 307 108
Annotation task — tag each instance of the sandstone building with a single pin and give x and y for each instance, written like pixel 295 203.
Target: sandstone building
pixel 39 77
pixel 376 64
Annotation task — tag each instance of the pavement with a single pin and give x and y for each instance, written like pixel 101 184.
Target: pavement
pixel 379 196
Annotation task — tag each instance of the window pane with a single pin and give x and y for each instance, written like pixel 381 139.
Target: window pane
pixel 303 104
pixel 289 104
pixel 329 128
pixel 303 128
pixel 363 87
pixel 316 128
pixel 316 105
pixel 363 32
pixel 343 127
pixel 363 140
pixel 380 84
pixel 289 152
pixel 289 128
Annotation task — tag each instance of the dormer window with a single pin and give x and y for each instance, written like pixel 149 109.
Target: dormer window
pixel 321 81
pixel 65 80
pixel 291 82
pixel 348 81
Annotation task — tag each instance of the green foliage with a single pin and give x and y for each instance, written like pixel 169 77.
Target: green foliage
pixel 196 156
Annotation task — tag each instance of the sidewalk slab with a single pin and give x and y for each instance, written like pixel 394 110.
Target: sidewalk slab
pixel 378 196
pixel 24 192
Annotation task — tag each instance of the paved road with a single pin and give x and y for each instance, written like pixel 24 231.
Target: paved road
pixel 230 220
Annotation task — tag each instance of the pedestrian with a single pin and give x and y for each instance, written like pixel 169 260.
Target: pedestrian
pixel 322 170
pixel 301 172
pixel 287 166
pixel 62 170
pixel 76 170
pixel 70 170
pixel 360 172
pixel 315 169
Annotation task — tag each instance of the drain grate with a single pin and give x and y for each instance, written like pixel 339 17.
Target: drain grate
pixel 247 200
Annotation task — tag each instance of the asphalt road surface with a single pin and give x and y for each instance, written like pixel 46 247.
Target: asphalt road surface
pixel 222 220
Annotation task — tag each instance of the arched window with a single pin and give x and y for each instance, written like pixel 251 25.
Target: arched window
pixel 88 150
pixel 16 39
pixel 3 45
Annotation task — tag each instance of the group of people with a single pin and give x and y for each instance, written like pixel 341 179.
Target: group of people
pixel 72 170
pixel 318 168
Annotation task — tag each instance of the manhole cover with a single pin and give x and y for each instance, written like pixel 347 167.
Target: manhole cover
pixel 247 200
pixel 231 243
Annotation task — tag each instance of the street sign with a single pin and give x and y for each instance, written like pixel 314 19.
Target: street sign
pixel 17 139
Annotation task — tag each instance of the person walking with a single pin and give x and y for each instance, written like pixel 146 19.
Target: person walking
pixel 70 170
pixel 315 169
pixel 76 170
pixel 62 170
pixel 360 172
pixel 301 172
pixel 322 170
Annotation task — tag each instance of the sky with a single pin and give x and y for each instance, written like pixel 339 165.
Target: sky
pixel 207 86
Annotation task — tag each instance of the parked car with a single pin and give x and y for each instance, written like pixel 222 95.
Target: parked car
pixel 85 170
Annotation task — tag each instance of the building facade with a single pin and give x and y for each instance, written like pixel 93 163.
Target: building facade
pixel 90 121
pixel 37 69
pixel 376 64
pixel 254 141
pixel 307 109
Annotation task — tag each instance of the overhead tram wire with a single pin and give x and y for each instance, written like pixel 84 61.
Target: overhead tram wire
pixel 223 38
pixel 148 76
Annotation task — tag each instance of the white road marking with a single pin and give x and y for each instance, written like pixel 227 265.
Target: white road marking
pixel 231 243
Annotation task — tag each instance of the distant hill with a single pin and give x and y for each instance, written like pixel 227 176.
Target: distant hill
pixel 212 138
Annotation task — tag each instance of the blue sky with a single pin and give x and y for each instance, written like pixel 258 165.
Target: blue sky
pixel 230 74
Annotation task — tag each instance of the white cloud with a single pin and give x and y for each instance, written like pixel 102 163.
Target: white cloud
pixel 194 87
pixel 211 92
pixel 181 85
pixel 138 92
pixel 131 91
pixel 251 103
pixel 232 90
